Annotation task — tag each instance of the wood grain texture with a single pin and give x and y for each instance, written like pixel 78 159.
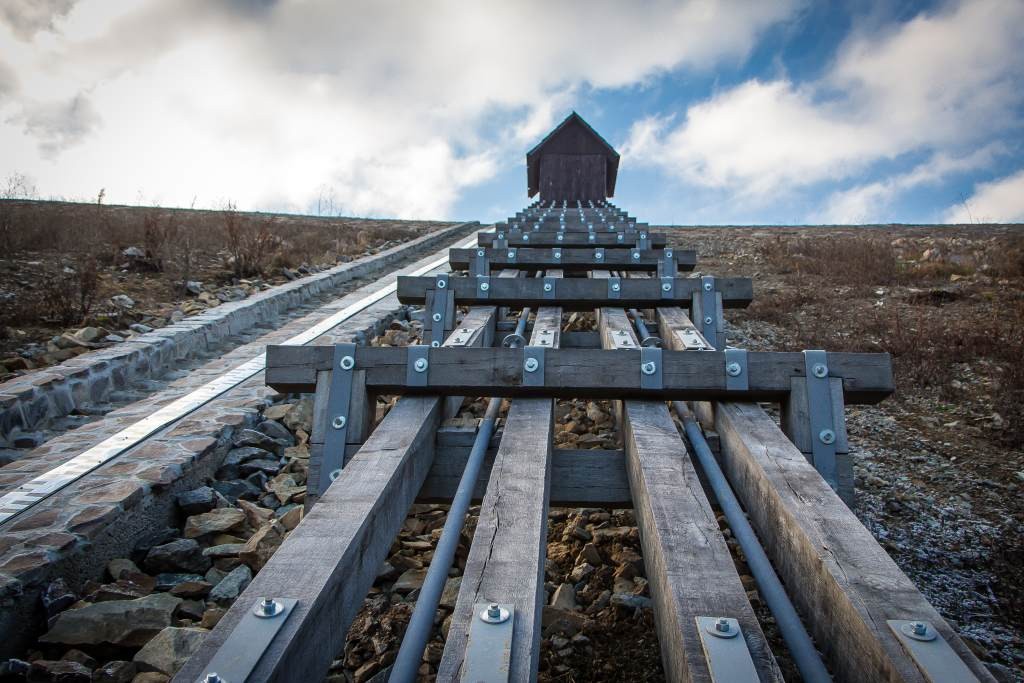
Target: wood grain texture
pixel 571 238
pixel 576 260
pixel 688 564
pixel 842 581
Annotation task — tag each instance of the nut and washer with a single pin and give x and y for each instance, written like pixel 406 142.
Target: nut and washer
pixel 347 363
pixel 441 284
pixel 436 317
pixel 827 436
pixel 708 320
pixel 648 368
pixel 268 607
pixel 734 369
pixel 479 252
pixel 494 614
pixel 820 371
pixel 548 287
pixel 420 365
pixel 484 286
pixel 616 287
pixel 339 422
pixel 531 365
pixel 636 255
pixel 707 286
pixel 666 287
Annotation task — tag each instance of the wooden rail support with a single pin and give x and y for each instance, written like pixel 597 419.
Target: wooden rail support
pixel 576 260
pixel 842 581
pixel 507 557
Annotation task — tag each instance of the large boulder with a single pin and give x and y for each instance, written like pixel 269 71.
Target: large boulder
pixel 232 585
pixel 212 522
pixel 182 555
pixel 129 623
pixel 170 649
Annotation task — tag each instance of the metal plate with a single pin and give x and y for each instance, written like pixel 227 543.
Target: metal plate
pixel 339 404
pixel 416 353
pixel 668 287
pixel 239 654
pixel 535 378
pixel 614 287
pixel 483 286
pixel 550 287
pixel 650 354
pixel 488 648
pixel 728 658
pixel 820 416
pixel 935 658
pixel 733 382
pixel 443 305
pixel 707 321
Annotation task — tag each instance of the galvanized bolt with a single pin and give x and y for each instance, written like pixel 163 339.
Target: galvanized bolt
pixel 649 367
pixel 479 252
pixel 420 365
pixel 213 677
pixel 511 254
pixel 526 238
pixel 548 287
pixel 827 436
pixel 531 365
pixel 560 237
pixel 484 286
pixel 734 369
pixel 668 253
pixel 707 286
pixel 347 363
pixel 708 320
pixel 722 625
pixel 819 371
pixel 666 286
pixel 636 255
pixel 436 317
pixel 339 422
pixel 435 344
pixel 616 287
pixel 599 255
pixel 558 253
pixel 619 238
pixel 334 474
pixel 441 284
pixel 268 607
pixel 919 628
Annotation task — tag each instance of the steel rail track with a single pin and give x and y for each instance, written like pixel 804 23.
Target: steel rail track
pixel 38 489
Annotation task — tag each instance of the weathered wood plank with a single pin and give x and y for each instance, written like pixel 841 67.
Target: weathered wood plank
pixel 576 260
pixel 576 294
pixel 688 564
pixel 583 373
pixel 570 238
pixel 841 580
pixel 506 559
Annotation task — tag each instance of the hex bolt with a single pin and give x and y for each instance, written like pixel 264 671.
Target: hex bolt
pixel 213 677
pixel 819 371
pixel 484 286
pixel 334 474
pixel 560 237
pixel 827 436
pixel 531 365
pixel 734 369
pixel 436 317
pixel 526 238
pixel 649 367
pixel 722 625
pixel 435 344
pixel 708 320
pixel 339 422
pixel 420 365
pixel 558 253
pixel 668 253
pixel 919 628
pixel 268 607
pixel 347 363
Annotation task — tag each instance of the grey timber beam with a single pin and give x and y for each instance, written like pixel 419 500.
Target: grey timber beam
pixel 577 294
pixel 576 260
pixel 582 373
pixel 329 562
pixel 507 557
pixel 549 238
pixel 688 564
pixel 842 581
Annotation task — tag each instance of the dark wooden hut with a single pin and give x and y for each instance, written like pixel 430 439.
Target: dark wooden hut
pixel 572 163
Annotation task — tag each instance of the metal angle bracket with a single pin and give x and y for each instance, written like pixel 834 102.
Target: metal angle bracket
pixel 533 366
pixel 930 651
pixel 442 310
pixel 550 284
pixel 820 415
pixel 338 414
pixel 725 649
pixel 650 368
pixel 417 365
pixel 241 651
pixel 489 644
pixel 614 287
pixel 737 378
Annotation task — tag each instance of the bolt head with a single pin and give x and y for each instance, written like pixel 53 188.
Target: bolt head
pixel 347 363
pixel 213 677
pixel 339 422
pixel 708 320
pixel 722 624
pixel 420 365
pixel 526 238
pixel 666 287
pixel 479 252
pixel 616 287
pixel 511 254
pixel 919 628
pixel 819 371
pixel 531 365
pixel 636 255
pixel 441 284
pixel 435 344
pixel 598 255
pixel 268 607
pixel 734 369
pixel 827 436
pixel 484 286
pixel 649 368
pixel 558 253
pixel 560 238
pixel 707 286
pixel 436 317
pixel 547 287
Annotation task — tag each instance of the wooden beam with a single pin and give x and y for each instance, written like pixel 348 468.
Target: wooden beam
pixel 577 294
pixel 688 564
pixel 576 260
pixel 582 373
pixel 329 562
pixel 549 238
pixel 507 557
pixel 840 579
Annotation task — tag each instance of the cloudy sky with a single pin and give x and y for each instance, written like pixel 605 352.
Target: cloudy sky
pixel 776 111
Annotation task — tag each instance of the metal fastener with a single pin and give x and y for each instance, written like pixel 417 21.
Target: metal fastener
pixel 648 368
pixel 616 287
pixel 420 365
pixel 820 370
pixel 511 254
pixel 636 255
pixel 827 436
pixel 436 317
pixel 708 320
pixel 722 625
pixel 494 614
pixel 531 365
pixel 334 474
pixel 734 369
pixel 484 286
pixel 339 422
pixel 441 284
pixel 707 286
pixel 213 677
pixel 435 344
pixel 479 252
pixel 666 287
pixel 347 363
pixel 268 607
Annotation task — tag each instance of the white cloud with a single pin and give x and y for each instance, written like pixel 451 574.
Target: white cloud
pixel 391 104
pixel 938 83
pixel 999 201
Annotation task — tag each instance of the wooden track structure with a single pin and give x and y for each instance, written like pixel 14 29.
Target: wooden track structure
pixel 850 595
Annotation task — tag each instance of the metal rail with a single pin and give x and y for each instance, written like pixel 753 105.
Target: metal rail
pixel 38 489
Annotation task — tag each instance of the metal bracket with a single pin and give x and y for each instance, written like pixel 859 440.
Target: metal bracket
pixel 483 286
pixel 556 254
pixel 737 378
pixel 667 264
pixel 417 365
pixel 480 264
pixel 709 321
pixel 500 241
pixel 599 255
pixel 725 649
pixel 511 254
pixel 820 415
pixel 489 644
pixel 442 311
pixel 634 254
pixel 668 287
pixel 642 241
pixel 461 338
pixel 240 652
pixel 693 341
pixel 650 368
pixel 930 651
pixel 614 287
pixel 339 407
pixel 533 366
pixel 549 287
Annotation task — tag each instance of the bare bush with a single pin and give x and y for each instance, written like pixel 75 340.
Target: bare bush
pixel 68 296
pixel 866 260
pixel 250 243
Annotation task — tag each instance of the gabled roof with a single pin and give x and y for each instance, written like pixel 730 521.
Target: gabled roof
pixel 573 119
